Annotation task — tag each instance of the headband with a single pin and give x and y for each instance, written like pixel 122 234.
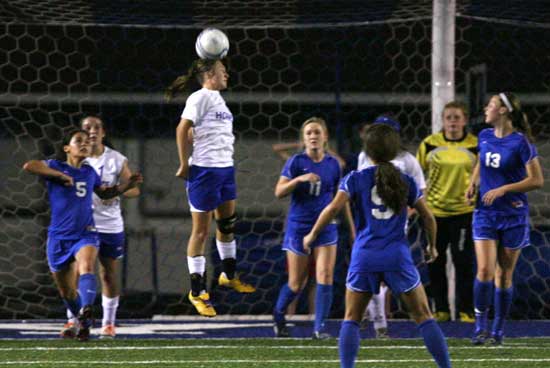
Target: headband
pixel 506 101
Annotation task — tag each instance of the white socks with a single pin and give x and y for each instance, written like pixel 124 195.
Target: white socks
pixel 227 249
pixel 110 306
pixel 196 264
pixel 71 317
pixel 377 309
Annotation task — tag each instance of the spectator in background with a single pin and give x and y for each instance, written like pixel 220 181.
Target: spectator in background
pixel 407 164
pixel 448 158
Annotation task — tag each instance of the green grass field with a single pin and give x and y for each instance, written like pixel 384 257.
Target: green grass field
pixel 282 353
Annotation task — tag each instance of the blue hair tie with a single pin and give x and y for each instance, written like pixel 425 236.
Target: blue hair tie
pixel 388 121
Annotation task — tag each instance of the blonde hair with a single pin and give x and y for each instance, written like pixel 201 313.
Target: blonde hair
pixel 321 122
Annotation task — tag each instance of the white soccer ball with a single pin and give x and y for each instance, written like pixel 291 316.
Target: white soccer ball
pixel 212 44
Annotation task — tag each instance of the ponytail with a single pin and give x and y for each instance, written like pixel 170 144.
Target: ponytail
pixel 391 187
pixel 521 123
pixel 518 117
pixel 382 143
pixel 195 75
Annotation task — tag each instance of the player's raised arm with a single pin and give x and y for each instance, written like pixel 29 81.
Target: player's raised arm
pixel 40 168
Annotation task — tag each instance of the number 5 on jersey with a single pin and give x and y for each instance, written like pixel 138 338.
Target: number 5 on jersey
pixel 80 188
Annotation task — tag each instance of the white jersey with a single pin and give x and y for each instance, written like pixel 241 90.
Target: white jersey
pixel 404 161
pixel 212 129
pixel 107 214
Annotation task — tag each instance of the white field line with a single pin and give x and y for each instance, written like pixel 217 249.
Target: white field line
pixel 260 347
pixel 242 361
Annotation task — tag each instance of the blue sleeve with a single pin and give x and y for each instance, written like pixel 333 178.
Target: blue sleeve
pixel 289 168
pixel 347 184
pixel 414 192
pixel 527 151
pixel 480 137
pixel 52 164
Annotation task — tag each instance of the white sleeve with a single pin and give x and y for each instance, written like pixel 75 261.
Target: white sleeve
pixel 415 171
pixel 362 161
pixel 194 108
pixel 120 160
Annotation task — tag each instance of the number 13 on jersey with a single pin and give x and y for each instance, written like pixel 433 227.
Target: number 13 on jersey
pixel 492 159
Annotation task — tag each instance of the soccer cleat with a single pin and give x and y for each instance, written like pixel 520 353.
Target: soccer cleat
pixel 85 322
pixel 235 284
pixel 69 331
pixel 107 332
pixel 281 329
pixel 496 339
pixel 466 317
pixel 317 335
pixel 442 316
pixel 382 333
pixel 202 304
pixel 480 337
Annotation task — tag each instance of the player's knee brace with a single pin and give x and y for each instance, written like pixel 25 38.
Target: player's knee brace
pixel 227 225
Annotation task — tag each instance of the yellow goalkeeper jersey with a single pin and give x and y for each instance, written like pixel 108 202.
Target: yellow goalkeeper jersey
pixel 448 166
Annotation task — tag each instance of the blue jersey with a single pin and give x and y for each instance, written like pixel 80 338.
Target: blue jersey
pixel 309 199
pixel 71 207
pixel 502 161
pixel 381 243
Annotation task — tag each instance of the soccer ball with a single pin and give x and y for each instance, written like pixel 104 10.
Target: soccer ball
pixel 212 44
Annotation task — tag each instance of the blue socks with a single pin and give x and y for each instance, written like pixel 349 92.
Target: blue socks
pixel 286 296
pixel 348 343
pixel 503 301
pixel 435 342
pixel 87 289
pixel 483 292
pixel 73 305
pixel 323 302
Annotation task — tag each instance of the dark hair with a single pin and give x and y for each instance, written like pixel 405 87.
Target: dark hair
pixel 389 119
pixel 518 117
pixel 195 74
pixel 106 141
pixel 382 143
pixel 61 154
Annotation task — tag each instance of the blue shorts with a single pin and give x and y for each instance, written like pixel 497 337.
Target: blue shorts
pixel 401 281
pixel 209 187
pixel 61 252
pixel 295 232
pixel 111 245
pixel 510 231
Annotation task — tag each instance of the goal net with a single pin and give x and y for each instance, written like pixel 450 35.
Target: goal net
pixel 347 61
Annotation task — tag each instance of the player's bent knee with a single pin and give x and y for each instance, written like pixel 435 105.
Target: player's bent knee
pixel 227 225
